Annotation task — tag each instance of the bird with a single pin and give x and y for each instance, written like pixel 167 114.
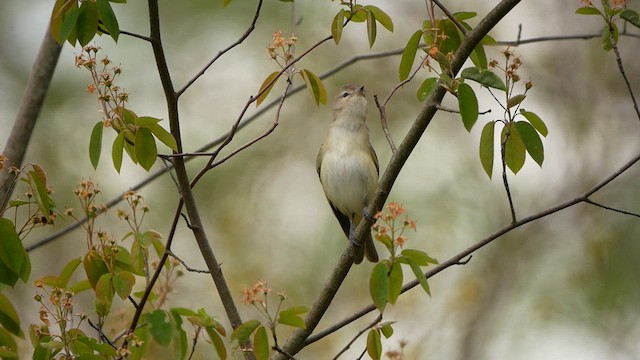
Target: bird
pixel 348 166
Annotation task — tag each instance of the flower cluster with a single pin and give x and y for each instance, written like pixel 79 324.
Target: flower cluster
pixel 112 98
pixel 256 294
pixel 281 49
pixel 511 67
pixel 388 231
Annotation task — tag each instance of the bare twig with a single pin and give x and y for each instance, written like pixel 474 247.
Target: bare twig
pixel 189 268
pixel 385 126
pixel 621 69
pixel 589 201
pixel 505 181
pixel 242 38
pixel 371 325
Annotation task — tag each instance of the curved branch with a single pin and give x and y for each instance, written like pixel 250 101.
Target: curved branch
pixel 296 342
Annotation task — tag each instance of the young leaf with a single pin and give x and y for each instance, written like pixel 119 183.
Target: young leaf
pixel 419 257
pixel 95 144
pixel 371 28
pixel 387 329
pixel 291 317
pixel 242 332
pixel 104 295
pixel 94 267
pixel 607 45
pixel 123 284
pixel 465 15
pixel 381 17
pixel 69 24
pixel 261 344
pixel 531 141
pixel 336 26
pixel 419 275
pixel 87 23
pixel 395 282
pixel 409 54
pixel 9 317
pixel 359 14
pixel 484 77
pixel 116 151
pixel 268 85
pixel 468 104
pixel 218 344
pixel 426 88
pixel 535 121
pixel 146 151
pixel 108 18
pixel 315 86
pixel 588 10
pixel 374 345
pixel 486 147
pixel 63 279
pixel 514 153
pixel 479 57
pixel 146 120
pixel 379 286
pixel 160 328
pixel 39 190
pixel 631 16
pixel 515 100
pixel 164 136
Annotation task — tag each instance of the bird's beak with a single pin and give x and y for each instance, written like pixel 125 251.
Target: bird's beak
pixel 361 91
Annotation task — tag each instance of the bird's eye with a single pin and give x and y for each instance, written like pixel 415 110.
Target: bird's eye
pixel 345 94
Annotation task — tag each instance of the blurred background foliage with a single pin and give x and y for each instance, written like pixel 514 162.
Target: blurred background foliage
pixel 567 286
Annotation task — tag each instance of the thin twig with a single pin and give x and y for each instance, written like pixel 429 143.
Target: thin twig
pixel 189 268
pixel 505 181
pixel 281 351
pixel 242 38
pixel 385 126
pixel 621 69
pixel 101 333
pixel 454 111
pixel 589 201
pixel 372 324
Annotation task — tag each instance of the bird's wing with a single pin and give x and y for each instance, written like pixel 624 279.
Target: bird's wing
pixel 319 159
pixel 342 219
pixel 375 158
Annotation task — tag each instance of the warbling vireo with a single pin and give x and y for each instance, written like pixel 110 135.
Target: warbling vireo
pixel 348 165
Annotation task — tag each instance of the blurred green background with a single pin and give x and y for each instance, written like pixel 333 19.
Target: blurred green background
pixel 567 286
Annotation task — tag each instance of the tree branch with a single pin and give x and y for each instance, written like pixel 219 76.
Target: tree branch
pixel 297 339
pixel 32 100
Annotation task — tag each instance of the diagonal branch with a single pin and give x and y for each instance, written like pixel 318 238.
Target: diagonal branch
pixel 296 342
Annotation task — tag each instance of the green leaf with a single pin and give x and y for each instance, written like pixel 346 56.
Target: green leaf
pixel 12 254
pixel 531 141
pixel 9 318
pixel 94 267
pixel 631 16
pixel 291 316
pixel 588 10
pixel 486 147
pixel 468 105
pixel 385 240
pixel 69 24
pixel 140 352
pixel 160 328
pixel 8 346
pixel 409 54
pixel 452 38
pixel 395 282
pixel 387 329
pixel 87 23
pixel 381 17
pixel 607 45
pixel 267 85
pixel 146 120
pixel 116 151
pixel 123 284
pixel 419 275
pixel 371 28
pixel 261 344
pixel 514 149
pixel 515 100
pixel 242 332
pixel 38 185
pixel 379 286
pixel 426 88
pixel 226 2
pixel 465 15
pixel 479 57
pixel 179 337
pixel 63 279
pixel 104 295
pixel 146 151
pixel 484 77
pixel 218 344
pixel 95 144
pixel 359 14
pixel 315 87
pixel 535 121
pixel 374 345
pixel 164 136
pixel 336 26
pixel 108 18
pixel 419 257
pixel 80 286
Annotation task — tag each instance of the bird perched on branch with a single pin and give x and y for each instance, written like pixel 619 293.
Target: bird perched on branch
pixel 348 165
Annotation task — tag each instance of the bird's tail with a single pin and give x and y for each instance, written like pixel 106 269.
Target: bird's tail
pixel 367 249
